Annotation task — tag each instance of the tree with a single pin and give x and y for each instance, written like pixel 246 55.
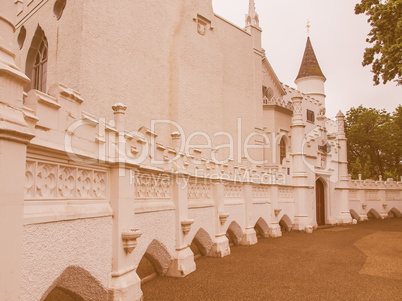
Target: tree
pixel 374 142
pixel 385 18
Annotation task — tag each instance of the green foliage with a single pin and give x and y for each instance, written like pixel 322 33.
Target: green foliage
pixel 385 18
pixel 374 142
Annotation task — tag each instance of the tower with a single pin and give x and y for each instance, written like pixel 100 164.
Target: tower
pixel 310 79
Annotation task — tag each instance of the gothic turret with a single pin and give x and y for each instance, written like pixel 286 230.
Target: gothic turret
pixel 253 26
pixel 310 79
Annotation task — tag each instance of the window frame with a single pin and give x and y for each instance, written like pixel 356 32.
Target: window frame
pixel 310 116
pixel 282 150
pixel 267 94
pixel 39 68
pixel 36 65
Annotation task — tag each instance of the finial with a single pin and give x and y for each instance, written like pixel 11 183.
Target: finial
pixel 251 7
pixel 308 27
pixel 252 16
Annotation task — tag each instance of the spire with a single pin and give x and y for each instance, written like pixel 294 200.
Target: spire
pixel 252 16
pixel 309 66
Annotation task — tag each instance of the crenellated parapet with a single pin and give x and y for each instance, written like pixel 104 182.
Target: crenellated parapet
pixel 59 123
pixel 306 98
pixel 276 101
pixel 375 198
pixel 390 183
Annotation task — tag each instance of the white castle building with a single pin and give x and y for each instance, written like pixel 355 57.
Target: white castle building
pixel 136 135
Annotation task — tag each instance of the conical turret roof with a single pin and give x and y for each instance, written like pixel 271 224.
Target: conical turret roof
pixel 309 66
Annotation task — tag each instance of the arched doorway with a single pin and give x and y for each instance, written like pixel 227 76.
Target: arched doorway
pixel 320 202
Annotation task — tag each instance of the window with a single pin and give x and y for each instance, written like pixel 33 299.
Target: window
pixel 40 67
pixel 282 150
pixel 310 116
pixel 58 8
pixel 267 94
pixel 21 37
pixel 36 65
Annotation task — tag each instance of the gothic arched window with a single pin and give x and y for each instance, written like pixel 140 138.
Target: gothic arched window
pixel 36 65
pixel 39 70
pixel 282 150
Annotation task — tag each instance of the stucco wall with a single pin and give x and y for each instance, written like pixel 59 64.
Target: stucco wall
pixel 261 210
pixel 50 248
pixel 203 218
pixel 287 209
pixel 237 214
pixel 155 225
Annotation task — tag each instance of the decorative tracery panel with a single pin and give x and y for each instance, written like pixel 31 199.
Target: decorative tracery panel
pixel 233 190
pixel 152 186
pixel 44 180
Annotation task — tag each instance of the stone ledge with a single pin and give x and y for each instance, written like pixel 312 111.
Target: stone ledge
pixel 39 212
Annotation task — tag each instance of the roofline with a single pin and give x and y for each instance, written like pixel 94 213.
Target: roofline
pixel 278 82
pixel 234 25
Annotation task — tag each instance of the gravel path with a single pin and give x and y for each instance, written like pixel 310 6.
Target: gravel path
pixel 359 262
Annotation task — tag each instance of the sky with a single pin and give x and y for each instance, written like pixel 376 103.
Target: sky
pixel 338 37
